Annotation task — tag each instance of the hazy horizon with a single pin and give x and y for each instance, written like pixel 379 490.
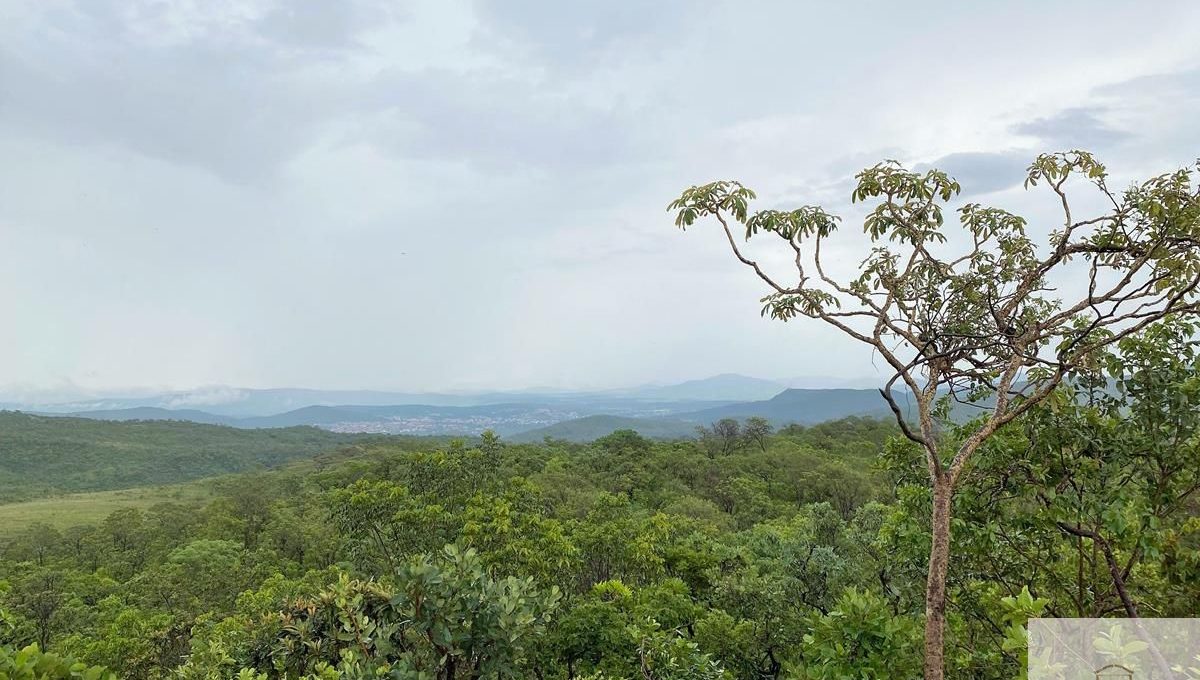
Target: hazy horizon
pixel 471 195
pixel 216 394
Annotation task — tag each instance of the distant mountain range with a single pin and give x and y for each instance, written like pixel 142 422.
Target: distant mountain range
pixel 579 421
pixel 245 403
pixel 801 406
pixel 724 387
pixel 416 419
pixel 239 402
pixel 662 411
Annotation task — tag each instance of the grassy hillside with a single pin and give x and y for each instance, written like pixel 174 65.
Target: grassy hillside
pixel 42 456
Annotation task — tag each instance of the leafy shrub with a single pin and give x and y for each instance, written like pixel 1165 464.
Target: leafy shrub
pixel 861 638
pixel 32 663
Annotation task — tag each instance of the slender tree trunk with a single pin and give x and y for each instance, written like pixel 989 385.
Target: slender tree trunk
pixel 1118 580
pixel 935 586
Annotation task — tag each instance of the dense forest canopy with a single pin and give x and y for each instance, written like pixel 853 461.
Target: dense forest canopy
pixel 643 535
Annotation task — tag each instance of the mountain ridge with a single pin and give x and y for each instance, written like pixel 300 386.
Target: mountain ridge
pixel 799 406
pixel 663 409
pixel 252 402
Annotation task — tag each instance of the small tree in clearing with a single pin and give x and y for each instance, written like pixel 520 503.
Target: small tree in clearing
pixel 981 324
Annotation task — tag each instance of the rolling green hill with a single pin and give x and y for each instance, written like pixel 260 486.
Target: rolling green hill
pixel 41 456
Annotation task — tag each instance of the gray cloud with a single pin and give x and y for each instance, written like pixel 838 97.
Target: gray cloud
pixel 497 122
pixel 230 113
pixel 580 34
pixel 982 172
pixel 323 25
pixel 1174 85
pixel 1074 128
pixel 228 97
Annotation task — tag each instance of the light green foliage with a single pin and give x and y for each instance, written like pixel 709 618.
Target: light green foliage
pixel 1016 612
pixel 1090 495
pixel 515 538
pixel 861 638
pixel 615 542
pixel 219 646
pixel 204 575
pixel 31 663
pixel 617 631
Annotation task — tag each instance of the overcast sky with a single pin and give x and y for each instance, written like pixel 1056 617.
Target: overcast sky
pixel 448 195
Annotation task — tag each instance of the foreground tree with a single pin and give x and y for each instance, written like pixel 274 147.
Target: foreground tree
pixel 972 315
pixel 1100 479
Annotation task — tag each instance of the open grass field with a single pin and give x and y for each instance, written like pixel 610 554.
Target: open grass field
pixel 90 508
